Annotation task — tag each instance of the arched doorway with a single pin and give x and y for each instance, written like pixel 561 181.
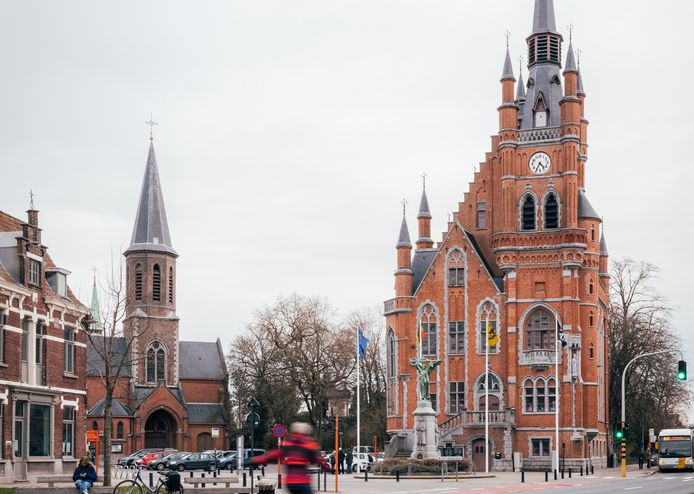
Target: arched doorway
pixel 205 441
pixel 477 451
pixel 160 430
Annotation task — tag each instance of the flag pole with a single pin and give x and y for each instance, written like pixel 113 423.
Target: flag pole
pixel 486 396
pixel 557 348
pixel 358 405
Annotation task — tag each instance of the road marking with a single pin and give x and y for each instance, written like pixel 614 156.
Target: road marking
pixel 632 488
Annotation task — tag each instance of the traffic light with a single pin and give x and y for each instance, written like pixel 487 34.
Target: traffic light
pixel 618 432
pixel 682 370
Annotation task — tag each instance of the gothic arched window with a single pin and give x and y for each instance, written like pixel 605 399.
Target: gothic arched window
pixel 528 217
pixel 487 313
pixel 427 331
pixel 156 283
pixel 456 269
pixel 539 395
pixel 138 282
pixel 156 363
pixel 495 391
pixel 539 331
pixel 392 369
pixel 551 211
pixel 119 430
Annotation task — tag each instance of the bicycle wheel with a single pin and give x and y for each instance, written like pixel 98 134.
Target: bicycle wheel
pixel 163 490
pixel 127 487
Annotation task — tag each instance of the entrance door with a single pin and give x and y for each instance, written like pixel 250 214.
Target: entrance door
pixel 478 454
pixel 159 430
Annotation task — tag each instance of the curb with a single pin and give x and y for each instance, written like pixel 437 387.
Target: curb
pixel 426 477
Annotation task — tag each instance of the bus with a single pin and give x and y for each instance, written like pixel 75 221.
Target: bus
pixel 675 450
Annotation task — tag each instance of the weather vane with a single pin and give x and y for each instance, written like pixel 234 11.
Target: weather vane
pixel 424 180
pixel 571 32
pixel 151 124
pixel 404 205
pixel 508 36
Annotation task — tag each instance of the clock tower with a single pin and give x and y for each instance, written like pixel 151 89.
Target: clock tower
pixel 523 254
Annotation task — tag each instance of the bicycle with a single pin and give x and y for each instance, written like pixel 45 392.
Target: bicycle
pixel 135 485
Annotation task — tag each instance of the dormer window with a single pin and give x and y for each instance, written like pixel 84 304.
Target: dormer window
pixel 541 112
pixel 34 272
pixel 57 280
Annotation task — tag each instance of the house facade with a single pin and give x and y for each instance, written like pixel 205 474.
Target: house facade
pixel 524 254
pixel 42 357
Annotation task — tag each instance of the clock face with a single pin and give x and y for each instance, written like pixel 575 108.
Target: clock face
pixel 539 163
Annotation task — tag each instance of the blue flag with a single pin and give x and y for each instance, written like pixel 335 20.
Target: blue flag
pixel 363 342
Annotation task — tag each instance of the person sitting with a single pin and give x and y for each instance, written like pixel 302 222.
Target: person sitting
pixel 84 475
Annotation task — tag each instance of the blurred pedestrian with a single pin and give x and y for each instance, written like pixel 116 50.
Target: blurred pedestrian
pixel 341 460
pixel 298 452
pixel 350 460
pixel 84 475
pixel 642 458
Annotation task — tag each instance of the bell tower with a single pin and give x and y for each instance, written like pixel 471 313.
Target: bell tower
pixel 151 321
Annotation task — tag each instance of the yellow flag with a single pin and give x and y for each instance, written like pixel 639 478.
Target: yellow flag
pixel 492 337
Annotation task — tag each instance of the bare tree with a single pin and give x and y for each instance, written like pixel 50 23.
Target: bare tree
pixel 640 322
pixel 113 350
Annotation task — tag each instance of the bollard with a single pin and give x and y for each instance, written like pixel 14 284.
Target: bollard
pixel 262 470
pixel 522 476
pixel 592 472
pixel 151 479
pixel 397 475
pixel 569 473
pixel 562 474
pixel 279 480
pixel 546 476
pixel 203 476
pixel 581 470
pixel 325 481
pixel 366 475
pixel 244 479
pixel 555 475
pixel 191 474
pixel 279 477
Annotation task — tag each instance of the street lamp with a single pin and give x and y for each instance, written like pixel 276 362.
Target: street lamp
pixel 252 422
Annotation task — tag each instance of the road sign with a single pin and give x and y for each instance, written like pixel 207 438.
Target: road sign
pixel 92 435
pixel 215 431
pixel 279 431
pixel 252 421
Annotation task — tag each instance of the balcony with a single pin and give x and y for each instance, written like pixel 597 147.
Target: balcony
pixel 397 305
pixel 547 134
pixel 540 358
pixel 476 419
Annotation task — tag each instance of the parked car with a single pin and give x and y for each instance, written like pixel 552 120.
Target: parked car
pixel 163 463
pixel 229 462
pixel 195 461
pixel 362 462
pixel 127 461
pixel 151 456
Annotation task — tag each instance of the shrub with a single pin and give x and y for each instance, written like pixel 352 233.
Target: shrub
pixel 390 465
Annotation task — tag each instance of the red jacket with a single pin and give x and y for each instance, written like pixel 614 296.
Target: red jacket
pixel 297 452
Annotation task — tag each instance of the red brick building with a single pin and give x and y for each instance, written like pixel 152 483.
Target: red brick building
pixel 174 393
pixel 42 357
pixel 523 249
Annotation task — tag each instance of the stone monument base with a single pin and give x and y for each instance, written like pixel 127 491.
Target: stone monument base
pixel 425 447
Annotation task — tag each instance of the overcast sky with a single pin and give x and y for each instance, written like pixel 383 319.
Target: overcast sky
pixel 290 130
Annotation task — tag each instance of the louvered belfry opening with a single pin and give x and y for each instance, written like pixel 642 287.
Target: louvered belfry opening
pixel 528 214
pixel 544 48
pixel 551 212
pixel 156 283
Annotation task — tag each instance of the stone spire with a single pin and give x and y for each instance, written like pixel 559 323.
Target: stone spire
pixel 544 20
pixel 424 220
pixel 95 313
pixel 404 237
pixel 579 87
pixel 520 90
pixel 603 245
pixel 151 231
pixel 570 65
pixel 507 73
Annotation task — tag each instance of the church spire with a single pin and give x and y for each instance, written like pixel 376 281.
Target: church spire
pixel 520 90
pixel 424 219
pixel 95 312
pixel 570 60
pixel 507 73
pixel 151 230
pixel 544 19
pixel 404 237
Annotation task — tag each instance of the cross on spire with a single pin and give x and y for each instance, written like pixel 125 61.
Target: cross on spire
pixel 151 124
pixel 424 180
pixel 507 34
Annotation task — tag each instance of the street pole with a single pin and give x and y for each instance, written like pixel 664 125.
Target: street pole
pixel 624 374
pixel 557 349
pixel 337 428
pixel 358 399
pixel 486 396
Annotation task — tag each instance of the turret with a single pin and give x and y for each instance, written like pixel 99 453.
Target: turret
pixel 571 104
pixel 424 221
pixel 403 275
pixel 508 111
pixel 604 256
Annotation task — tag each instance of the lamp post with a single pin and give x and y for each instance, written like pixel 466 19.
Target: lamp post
pixel 252 421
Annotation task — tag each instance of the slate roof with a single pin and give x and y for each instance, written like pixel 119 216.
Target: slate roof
pixel 118 408
pixel 498 280
pixel 95 364
pixel 424 206
pixel 520 90
pixel 151 230
pixel 420 265
pixel 585 209
pixel 579 84
pixel 507 72
pixel 205 413
pixel 404 237
pixel 570 65
pixel 603 245
pixel 142 392
pixel 543 18
pixel 201 360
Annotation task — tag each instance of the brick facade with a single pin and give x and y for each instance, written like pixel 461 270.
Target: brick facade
pixel 523 250
pixel 42 397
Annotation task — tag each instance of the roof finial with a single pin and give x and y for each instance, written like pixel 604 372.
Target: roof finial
pixel 578 58
pixel 571 32
pixel 404 205
pixel 31 199
pixel 151 124
pixel 94 270
pixel 424 180
pixel 508 37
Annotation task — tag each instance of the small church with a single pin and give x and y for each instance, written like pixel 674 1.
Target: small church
pixel 523 255
pixel 172 393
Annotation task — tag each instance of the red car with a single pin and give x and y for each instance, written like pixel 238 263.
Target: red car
pixel 154 455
